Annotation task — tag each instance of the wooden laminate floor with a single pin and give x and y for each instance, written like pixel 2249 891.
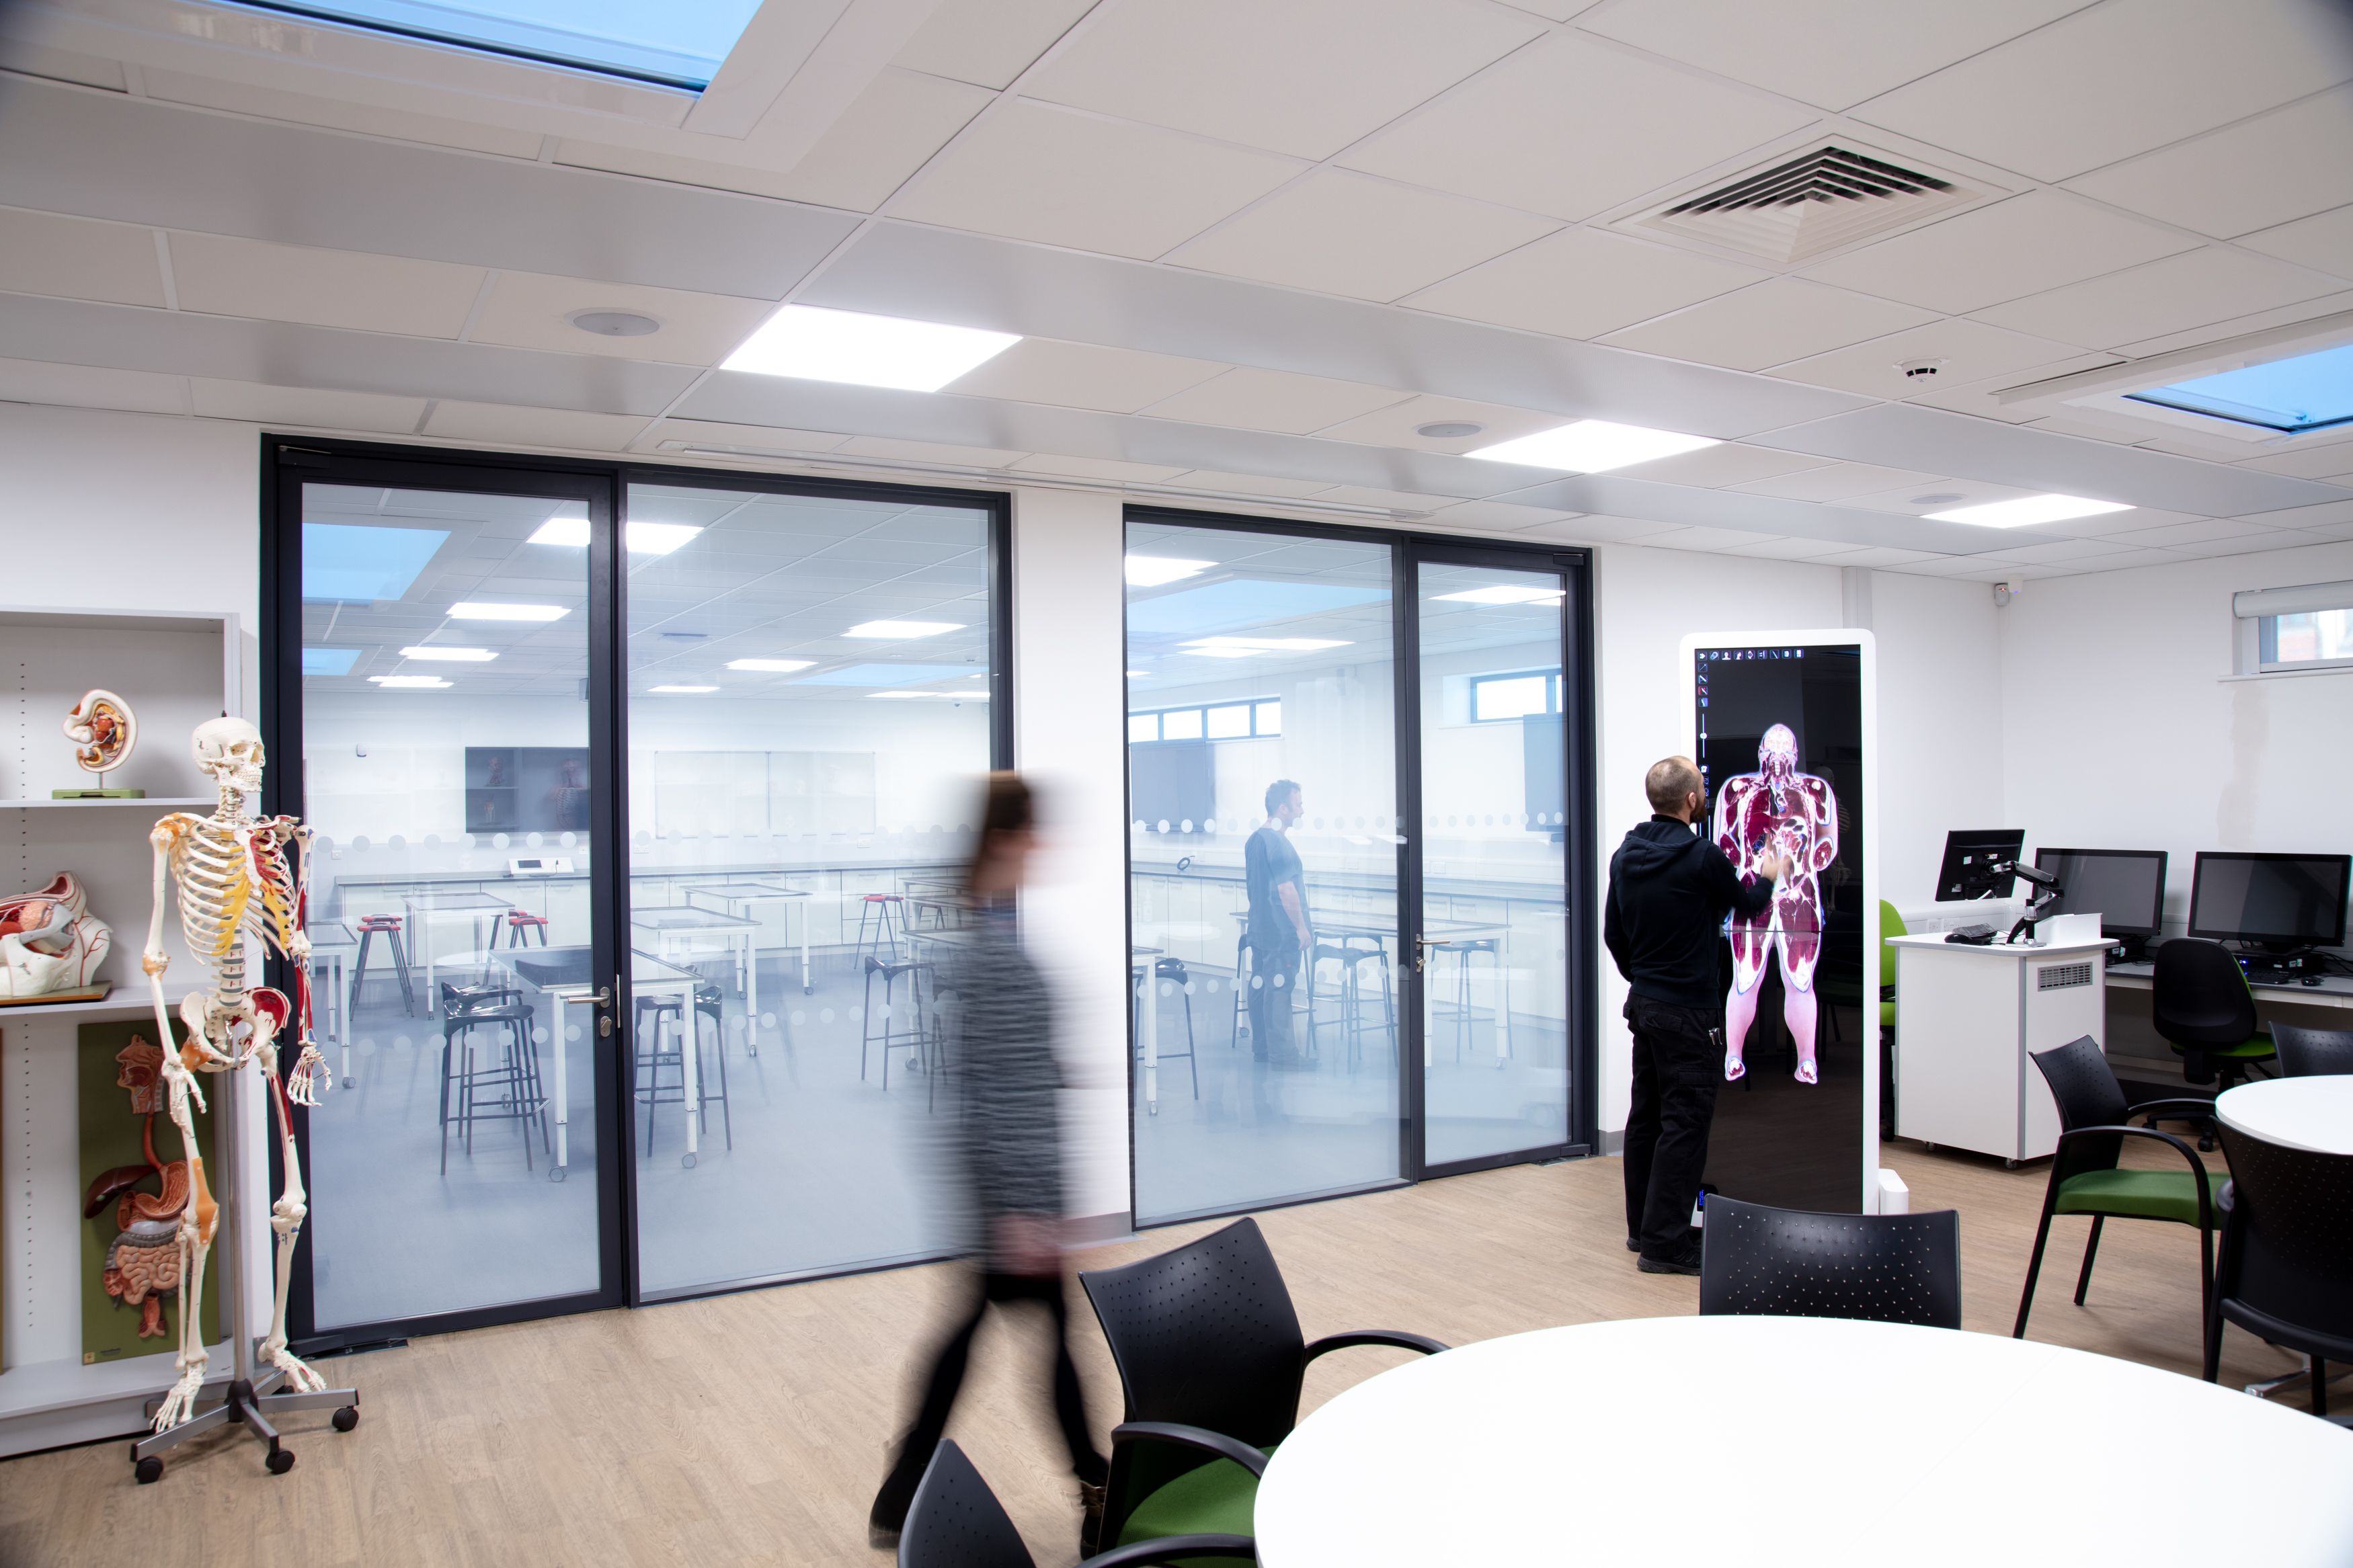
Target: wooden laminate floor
pixel 752 1428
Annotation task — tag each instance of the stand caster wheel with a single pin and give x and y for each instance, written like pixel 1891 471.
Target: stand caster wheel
pixel 555 1173
pixel 2009 1164
pixel 148 1470
pixel 1931 1148
pixel 687 1161
pixel 344 1419
pixel 281 1460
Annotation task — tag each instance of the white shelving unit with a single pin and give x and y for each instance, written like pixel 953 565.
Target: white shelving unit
pixel 177 669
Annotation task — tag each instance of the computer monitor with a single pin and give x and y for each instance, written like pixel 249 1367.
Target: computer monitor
pixel 2126 888
pixel 2279 900
pixel 1970 856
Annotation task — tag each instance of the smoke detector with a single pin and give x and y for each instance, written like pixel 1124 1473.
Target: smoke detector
pixel 1920 369
pixel 1799 206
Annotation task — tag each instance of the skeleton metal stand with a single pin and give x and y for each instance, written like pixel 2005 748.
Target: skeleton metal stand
pixel 249 1400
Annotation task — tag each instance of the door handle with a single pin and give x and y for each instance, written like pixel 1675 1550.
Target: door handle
pixel 601 999
pixel 1421 946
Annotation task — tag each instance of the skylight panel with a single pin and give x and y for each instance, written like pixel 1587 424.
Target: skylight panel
pixel 2309 392
pixel 669 43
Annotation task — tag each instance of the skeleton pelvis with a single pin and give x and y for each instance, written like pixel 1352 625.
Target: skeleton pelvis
pixel 231 1029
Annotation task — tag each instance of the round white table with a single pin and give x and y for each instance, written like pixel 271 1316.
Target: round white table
pixel 2314 1114
pixel 1759 1440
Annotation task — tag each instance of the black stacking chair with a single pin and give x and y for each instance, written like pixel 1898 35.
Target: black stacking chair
pixel 1210 1359
pixel 1881 1268
pixel 1144 991
pixel 2200 1002
pixel 2313 1053
pixel 2288 1254
pixel 514 1073
pixel 955 1521
pixel 2085 1178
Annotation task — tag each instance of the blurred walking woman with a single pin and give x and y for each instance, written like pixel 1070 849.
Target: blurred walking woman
pixel 1009 1153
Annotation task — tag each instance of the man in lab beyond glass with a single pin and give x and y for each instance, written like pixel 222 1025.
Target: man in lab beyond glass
pixel 1670 888
pixel 1279 933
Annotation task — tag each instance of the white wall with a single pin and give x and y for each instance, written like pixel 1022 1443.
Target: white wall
pixel 2123 731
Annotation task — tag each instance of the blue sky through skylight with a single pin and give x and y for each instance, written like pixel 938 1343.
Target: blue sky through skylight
pixel 2301 394
pixel 678 43
pixel 360 563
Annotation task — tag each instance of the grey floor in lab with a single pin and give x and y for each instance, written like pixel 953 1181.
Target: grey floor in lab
pixel 828 1171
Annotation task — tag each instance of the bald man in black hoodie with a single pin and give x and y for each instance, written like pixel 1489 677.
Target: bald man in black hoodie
pixel 1670 889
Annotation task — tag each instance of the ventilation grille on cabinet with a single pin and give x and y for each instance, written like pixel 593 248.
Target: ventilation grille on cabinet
pixel 1802 207
pixel 2062 976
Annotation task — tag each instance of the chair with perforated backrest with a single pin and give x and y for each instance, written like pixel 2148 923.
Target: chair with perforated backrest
pixel 2288 1254
pixel 955 1521
pixel 1210 1359
pixel 2313 1053
pixel 2200 1003
pixel 1884 1269
pixel 2085 1175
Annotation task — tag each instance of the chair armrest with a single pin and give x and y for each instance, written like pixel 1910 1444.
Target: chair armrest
pixel 1201 1437
pixel 2205 1200
pixel 2189 1107
pixel 1169 1548
pixel 1394 1338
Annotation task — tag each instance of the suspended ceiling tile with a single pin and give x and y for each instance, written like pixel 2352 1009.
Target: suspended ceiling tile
pixel 2260 173
pixel 90 386
pixel 1711 539
pixel 2327 514
pixel 337 113
pixel 1836 483
pixel 2108 524
pixel 2023 246
pixel 1780 320
pixel 1600 530
pixel 65 65
pixel 1245 484
pixel 2248 544
pixel 1397 425
pixel 1914 499
pixel 1096 468
pixel 2121 78
pixel 2321 310
pixel 1728 463
pixel 529 310
pixel 225 277
pixel 1338 232
pixel 2324 242
pixel 1031 170
pixel 1581 283
pixel 1876 557
pixel 713 432
pixel 77 258
pixel 1982 398
pixel 946 455
pixel 2205 531
pixel 1971 351
pixel 1790 549
pixel 2066 549
pixel 305 407
pixel 988 42
pixel 1273 399
pixel 1531 132
pixel 1396 500
pixel 2196 289
pixel 2330 461
pixel 2186 444
pixel 1498 514
pixel 1082 375
pixel 1833 53
pixel 1301 77
pixel 506 426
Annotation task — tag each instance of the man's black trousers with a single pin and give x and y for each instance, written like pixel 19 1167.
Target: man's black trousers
pixel 1678 1062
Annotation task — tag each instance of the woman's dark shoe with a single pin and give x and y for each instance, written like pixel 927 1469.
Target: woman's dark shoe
pixel 1090 1500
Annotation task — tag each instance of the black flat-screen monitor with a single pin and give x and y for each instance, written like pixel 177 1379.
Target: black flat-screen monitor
pixel 2281 900
pixel 1172 786
pixel 1970 856
pixel 2126 888
pixel 526 789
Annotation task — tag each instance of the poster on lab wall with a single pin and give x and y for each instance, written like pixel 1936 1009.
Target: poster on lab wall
pixel 133 1188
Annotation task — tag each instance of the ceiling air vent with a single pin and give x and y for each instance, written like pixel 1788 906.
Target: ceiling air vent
pixel 1800 207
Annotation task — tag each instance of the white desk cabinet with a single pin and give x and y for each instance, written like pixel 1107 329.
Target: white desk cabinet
pixel 1965 1020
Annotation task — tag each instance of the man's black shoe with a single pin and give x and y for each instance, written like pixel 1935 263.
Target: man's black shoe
pixel 1633 1245
pixel 1685 1261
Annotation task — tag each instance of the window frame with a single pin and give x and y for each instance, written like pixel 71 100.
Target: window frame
pixel 1159 715
pixel 1552 693
pixel 2267 660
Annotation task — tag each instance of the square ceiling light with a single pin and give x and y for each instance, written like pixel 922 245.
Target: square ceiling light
pixel 2308 392
pixel 659 41
pixel 1246 647
pixel 682 690
pixel 361 564
pixel 887 630
pixel 1151 571
pixel 771 666
pixel 644 538
pixel 814 344
pixel 410 682
pixel 429 652
pixel 1592 446
pixel 2026 510
pixel 486 610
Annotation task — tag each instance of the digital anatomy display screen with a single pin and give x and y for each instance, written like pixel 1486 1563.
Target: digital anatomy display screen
pixel 1781 750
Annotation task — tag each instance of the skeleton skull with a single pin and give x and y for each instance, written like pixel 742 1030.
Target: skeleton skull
pixel 228 751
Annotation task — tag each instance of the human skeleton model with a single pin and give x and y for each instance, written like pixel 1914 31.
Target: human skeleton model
pixel 1778 810
pixel 238 877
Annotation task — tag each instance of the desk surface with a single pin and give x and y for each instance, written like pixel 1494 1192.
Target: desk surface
pixel 2314 1114
pixel 1783 1441
pixel 686 917
pixel 2334 990
pixel 566 968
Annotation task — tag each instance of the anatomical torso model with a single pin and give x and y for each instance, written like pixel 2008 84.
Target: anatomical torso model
pixel 238 877
pixel 1778 810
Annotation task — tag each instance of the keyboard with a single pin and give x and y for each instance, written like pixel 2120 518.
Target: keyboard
pixel 1975 936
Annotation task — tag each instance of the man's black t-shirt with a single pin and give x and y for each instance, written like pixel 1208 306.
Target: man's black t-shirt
pixel 1269 863
pixel 1670 888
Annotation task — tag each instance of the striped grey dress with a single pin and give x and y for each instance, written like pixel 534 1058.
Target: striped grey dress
pixel 1008 1143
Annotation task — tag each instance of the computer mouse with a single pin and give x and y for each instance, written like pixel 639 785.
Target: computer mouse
pixel 2312 980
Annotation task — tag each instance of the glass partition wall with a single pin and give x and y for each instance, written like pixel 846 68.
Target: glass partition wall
pixel 1345 973
pixel 640 801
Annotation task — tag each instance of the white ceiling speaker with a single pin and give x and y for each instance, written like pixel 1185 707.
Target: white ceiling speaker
pixel 1799 206
pixel 614 324
pixel 1449 429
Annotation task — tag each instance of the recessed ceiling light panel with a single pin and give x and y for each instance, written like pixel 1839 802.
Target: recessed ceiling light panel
pixel 1243 648
pixel 410 682
pixel 1593 446
pixel 1503 594
pixel 814 344
pixel 2026 510
pixel 1151 571
pixel 450 654
pixel 644 538
pixel 894 629
pixel 682 690
pixel 484 610
pixel 771 666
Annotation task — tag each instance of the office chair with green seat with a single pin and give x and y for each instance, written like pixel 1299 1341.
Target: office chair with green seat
pixel 1210 1360
pixel 2086 1179
pixel 2200 1003
pixel 1890 924
pixel 955 1521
